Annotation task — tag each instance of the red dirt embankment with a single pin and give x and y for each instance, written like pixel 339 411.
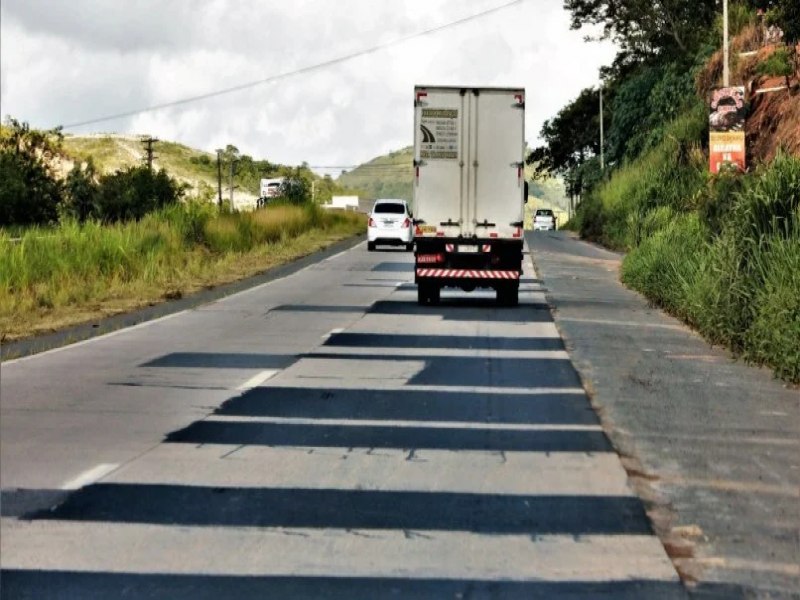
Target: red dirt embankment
pixel 773 121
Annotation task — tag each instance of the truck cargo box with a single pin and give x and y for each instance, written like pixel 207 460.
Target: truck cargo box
pixel 469 189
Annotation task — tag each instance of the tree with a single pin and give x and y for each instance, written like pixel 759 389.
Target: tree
pixel 134 192
pixel 571 138
pixel 647 27
pixel 296 188
pixel 80 192
pixel 29 191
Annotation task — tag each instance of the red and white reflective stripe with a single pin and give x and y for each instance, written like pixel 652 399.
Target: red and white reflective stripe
pixel 450 247
pixel 486 248
pixel 467 274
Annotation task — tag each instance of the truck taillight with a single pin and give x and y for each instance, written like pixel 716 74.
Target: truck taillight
pixel 371 222
pixel 406 224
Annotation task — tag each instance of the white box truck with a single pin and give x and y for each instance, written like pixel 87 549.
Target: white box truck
pixel 469 190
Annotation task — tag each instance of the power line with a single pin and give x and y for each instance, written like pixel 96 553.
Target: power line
pixel 287 74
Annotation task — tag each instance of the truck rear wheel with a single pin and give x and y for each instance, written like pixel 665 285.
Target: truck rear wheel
pixel 508 295
pixel 428 293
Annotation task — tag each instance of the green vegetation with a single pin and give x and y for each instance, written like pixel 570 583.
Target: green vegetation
pixel 738 286
pixel 388 176
pixel 721 252
pixel 88 229
pixel 32 190
pixel 777 64
pixel 74 272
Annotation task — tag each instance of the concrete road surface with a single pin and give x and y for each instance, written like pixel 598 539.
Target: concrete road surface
pixel 320 436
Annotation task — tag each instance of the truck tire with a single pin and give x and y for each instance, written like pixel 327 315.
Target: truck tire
pixel 422 294
pixel 410 247
pixel 370 246
pixel 508 295
pixel 428 293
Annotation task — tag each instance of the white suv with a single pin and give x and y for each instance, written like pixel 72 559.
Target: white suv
pixel 390 224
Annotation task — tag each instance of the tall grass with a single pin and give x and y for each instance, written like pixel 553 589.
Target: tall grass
pixel 49 274
pixel 736 276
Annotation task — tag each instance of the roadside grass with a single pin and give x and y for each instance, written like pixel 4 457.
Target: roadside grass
pixel 73 273
pixel 732 272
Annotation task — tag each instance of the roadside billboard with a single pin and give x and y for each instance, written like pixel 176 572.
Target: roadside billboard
pixel 726 118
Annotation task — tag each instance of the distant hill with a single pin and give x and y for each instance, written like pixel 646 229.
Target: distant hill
pixel 388 176
pixel 111 152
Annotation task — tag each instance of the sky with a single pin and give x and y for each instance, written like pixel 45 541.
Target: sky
pixel 64 62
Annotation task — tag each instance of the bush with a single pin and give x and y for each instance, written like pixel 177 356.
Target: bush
pixel 29 191
pixel 777 64
pixel 134 192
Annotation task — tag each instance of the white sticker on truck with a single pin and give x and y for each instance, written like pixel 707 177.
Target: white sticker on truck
pixel 439 130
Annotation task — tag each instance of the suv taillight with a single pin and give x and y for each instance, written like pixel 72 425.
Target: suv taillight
pixel 406 223
pixel 371 222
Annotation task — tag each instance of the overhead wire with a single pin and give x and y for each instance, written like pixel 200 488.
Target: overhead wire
pixel 293 73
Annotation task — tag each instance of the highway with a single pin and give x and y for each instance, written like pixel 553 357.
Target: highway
pixel 320 435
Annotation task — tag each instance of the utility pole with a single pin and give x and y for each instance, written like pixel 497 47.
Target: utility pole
pixel 233 165
pixel 219 178
pixel 148 148
pixel 602 154
pixel 313 185
pixel 726 76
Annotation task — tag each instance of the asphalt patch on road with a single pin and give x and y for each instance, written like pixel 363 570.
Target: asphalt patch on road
pixel 412 405
pixel 469 371
pixel 461 342
pixel 352 509
pixel 222 360
pixel 356 436
pixel 68 585
pixel 467 309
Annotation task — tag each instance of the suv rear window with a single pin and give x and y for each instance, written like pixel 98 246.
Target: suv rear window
pixel 394 208
pixel 544 212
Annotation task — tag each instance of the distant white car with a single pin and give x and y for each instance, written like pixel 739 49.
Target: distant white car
pixel 390 224
pixel 544 220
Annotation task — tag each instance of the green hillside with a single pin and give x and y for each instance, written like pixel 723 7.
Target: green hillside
pixel 193 167
pixel 388 176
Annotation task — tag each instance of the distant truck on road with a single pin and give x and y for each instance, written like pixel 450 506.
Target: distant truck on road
pixel 469 190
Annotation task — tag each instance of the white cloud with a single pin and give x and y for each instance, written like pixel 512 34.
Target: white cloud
pixel 65 62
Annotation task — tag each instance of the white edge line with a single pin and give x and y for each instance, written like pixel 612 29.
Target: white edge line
pixel 89 476
pixel 257 379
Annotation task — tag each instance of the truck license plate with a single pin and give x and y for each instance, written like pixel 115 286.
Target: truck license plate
pixel 467 248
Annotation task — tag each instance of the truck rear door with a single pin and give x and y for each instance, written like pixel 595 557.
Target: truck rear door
pixel 439 150
pixel 496 161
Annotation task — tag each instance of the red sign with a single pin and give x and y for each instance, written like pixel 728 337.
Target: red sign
pixel 726 148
